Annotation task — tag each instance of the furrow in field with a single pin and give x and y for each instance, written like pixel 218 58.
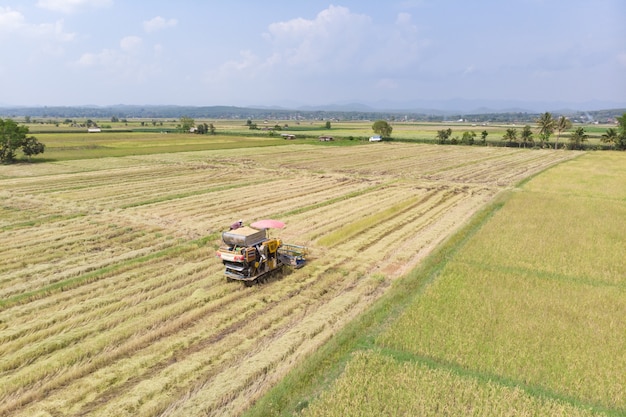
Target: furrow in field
pixel 34 209
pixel 261 331
pixel 423 233
pixel 266 361
pixel 215 211
pixel 68 181
pixel 49 365
pixel 328 219
pixel 385 236
pixel 521 168
pixel 145 190
pixel 386 241
pixel 286 297
pixel 112 287
pixel 92 302
pixel 81 247
pixel 503 170
pixel 223 342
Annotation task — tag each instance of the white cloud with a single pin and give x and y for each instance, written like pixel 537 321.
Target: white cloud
pixel 396 48
pixel 336 48
pixel 70 6
pixel 332 41
pixel 158 23
pixel 131 61
pixel 247 65
pixel 10 20
pixel 130 43
pixel 343 42
pixel 13 22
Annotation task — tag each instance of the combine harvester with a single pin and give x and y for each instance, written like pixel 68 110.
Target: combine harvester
pixel 250 256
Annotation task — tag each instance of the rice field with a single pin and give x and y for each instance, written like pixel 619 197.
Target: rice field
pixel 112 302
pixel 527 318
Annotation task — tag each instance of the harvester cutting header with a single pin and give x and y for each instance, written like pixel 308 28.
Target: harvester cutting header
pixel 250 255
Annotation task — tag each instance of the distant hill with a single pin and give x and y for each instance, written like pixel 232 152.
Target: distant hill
pixel 347 111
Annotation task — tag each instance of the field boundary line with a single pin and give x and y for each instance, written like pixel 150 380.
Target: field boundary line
pixel 547 275
pixel 533 390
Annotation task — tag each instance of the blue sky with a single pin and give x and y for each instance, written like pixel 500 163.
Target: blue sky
pixel 310 52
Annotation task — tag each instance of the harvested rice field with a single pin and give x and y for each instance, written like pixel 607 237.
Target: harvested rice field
pixel 112 302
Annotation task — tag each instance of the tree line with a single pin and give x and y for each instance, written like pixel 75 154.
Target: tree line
pixel 547 126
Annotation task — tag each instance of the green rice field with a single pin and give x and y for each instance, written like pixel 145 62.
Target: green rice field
pixel 523 313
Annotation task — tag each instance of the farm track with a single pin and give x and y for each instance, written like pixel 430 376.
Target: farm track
pixel 112 300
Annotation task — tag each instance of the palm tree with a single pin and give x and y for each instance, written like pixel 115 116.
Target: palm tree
pixel 561 125
pixel 527 135
pixel 483 136
pixel 610 137
pixel 510 135
pixel 546 125
pixel 578 137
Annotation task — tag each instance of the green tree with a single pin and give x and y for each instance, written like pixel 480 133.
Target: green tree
pixel 382 128
pixel 13 137
pixel 328 124
pixel 527 135
pixel 211 128
pixel 578 137
pixel 443 135
pixel 610 137
pixel 546 126
pixel 468 137
pixel 32 146
pixel 186 123
pixel 562 124
pixel 510 135
pixel 483 137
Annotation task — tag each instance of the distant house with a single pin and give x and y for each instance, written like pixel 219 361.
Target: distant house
pixel 326 138
pixel 93 130
pixel 376 138
pixel 288 136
